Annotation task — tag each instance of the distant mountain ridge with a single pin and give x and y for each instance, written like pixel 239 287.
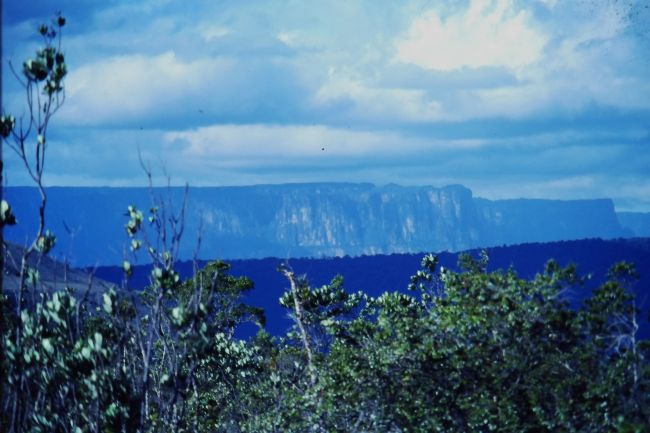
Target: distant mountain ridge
pixel 313 220
pixel 637 222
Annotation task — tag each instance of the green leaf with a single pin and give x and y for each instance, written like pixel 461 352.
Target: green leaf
pixel 98 340
pixel 47 345
pixel 127 268
pixel 6 216
pixel 108 303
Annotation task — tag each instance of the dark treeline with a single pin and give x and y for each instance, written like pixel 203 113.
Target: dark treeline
pixel 381 273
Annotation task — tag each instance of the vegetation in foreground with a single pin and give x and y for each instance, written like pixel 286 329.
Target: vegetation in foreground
pixel 468 351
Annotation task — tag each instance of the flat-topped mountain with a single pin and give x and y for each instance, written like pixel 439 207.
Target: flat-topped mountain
pixel 637 222
pixel 312 220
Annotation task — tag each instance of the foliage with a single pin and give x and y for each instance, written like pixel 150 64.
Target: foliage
pixel 493 353
pixel 461 351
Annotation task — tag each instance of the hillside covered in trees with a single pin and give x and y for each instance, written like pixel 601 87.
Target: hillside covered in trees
pixel 376 274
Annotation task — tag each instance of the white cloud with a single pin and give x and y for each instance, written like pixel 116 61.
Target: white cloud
pixel 260 153
pixel 285 143
pixel 286 38
pixel 578 58
pixel 378 103
pixel 488 33
pixel 592 63
pixel 212 33
pixel 122 88
pixel 549 3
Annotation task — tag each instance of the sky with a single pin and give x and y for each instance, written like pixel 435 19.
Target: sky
pixel 511 98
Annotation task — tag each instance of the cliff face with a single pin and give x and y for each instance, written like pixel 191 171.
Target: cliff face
pixel 339 219
pixel 525 220
pixel 313 220
pixel 637 222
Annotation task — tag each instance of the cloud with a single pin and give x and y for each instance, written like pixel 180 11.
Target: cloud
pixel 565 164
pixel 377 103
pixel 127 87
pixel 287 38
pixel 96 156
pixel 287 143
pixel 549 3
pixel 488 33
pixel 167 89
pixel 561 64
pixel 212 33
pixel 511 97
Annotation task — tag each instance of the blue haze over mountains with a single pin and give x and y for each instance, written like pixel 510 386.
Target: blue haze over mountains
pixel 316 220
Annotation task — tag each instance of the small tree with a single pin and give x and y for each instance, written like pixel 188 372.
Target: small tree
pixel 42 80
pixel 128 366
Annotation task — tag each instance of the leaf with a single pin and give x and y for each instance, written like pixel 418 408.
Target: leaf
pixel 98 340
pixel 127 268
pixel 108 303
pixel 47 345
pixel 6 216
